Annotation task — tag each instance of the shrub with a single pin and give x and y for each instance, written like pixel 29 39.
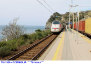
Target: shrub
pixel 5 51
pixel 44 34
pixel 13 44
pixel 20 41
pixel 31 41
pixel 33 36
pixel 3 44
pixel 38 30
pixel 25 36
pixel 40 35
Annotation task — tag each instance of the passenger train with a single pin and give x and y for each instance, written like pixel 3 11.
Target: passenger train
pixel 56 27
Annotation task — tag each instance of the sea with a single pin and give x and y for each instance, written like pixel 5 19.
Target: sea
pixel 27 29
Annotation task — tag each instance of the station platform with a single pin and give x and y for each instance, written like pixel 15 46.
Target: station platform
pixel 69 45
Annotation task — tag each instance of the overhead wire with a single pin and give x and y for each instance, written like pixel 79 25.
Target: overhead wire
pixel 72 2
pixel 85 6
pixel 44 5
pixel 48 5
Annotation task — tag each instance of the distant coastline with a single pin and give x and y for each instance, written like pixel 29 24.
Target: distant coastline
pixel 27 29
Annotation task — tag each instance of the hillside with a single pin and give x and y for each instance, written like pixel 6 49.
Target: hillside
pixel 64 18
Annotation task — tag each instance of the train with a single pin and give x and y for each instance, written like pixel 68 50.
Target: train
pixel 84 26
pixel 56 27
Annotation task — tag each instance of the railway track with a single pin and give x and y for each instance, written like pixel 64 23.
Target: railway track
pixel 36 50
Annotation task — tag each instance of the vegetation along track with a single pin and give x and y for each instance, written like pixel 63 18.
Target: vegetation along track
pixel 34 52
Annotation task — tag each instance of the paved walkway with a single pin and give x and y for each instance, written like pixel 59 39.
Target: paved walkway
pixel 69 45
pixel 76 47
pixel 67 52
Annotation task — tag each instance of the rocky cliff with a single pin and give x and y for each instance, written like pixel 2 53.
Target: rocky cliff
pixel 64 18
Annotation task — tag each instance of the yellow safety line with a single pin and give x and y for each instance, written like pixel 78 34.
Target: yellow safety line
pixel 58 48
pixel 84 37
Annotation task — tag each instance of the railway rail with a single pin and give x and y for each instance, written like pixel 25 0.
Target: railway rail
pixel 36 50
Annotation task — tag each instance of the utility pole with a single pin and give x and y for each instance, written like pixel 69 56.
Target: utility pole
pixel 73 20
pixel 69 14
pixel 78 19
pixel 69 18
pixel 73 13
pixel 71 6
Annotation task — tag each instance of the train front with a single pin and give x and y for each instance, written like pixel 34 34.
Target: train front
pixel 56 27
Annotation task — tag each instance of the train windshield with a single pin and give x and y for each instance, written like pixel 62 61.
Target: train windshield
pixel 56 22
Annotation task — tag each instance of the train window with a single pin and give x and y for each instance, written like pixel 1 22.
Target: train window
pixel 56 22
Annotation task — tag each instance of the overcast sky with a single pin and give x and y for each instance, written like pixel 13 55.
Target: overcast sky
pixel 30 12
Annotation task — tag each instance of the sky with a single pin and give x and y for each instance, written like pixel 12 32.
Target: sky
pixel 31 12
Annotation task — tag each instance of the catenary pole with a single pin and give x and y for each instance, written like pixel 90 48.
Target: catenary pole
pixel 69 18
pixel 73 20
pixel 78 19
